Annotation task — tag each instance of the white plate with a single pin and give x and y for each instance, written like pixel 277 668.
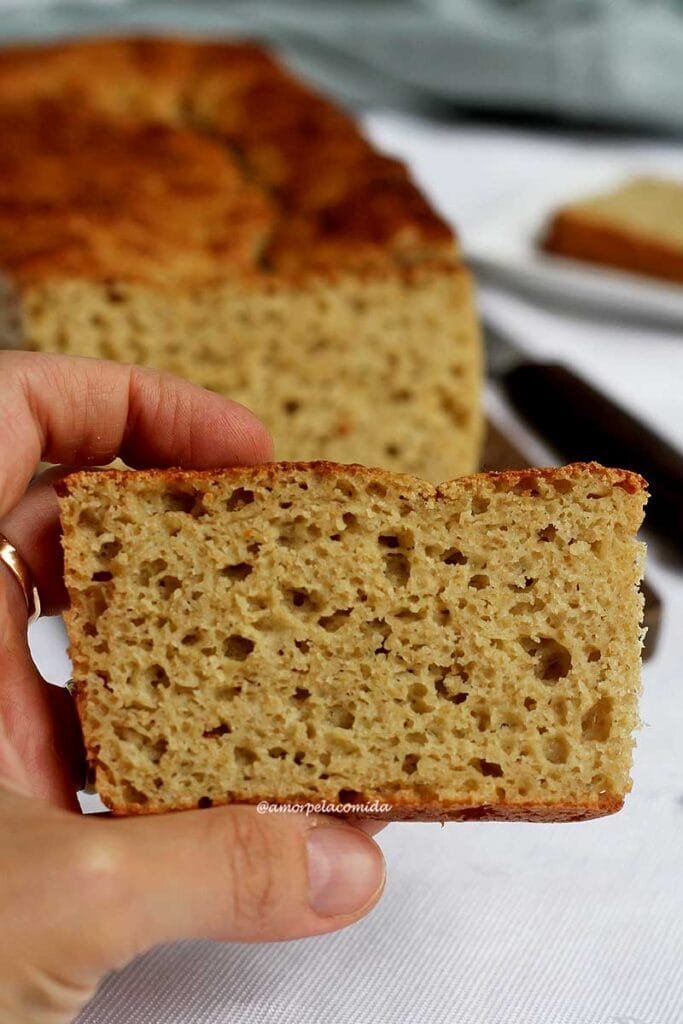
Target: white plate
pixel 504 247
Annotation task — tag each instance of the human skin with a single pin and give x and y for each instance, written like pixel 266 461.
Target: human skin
pixel 81 895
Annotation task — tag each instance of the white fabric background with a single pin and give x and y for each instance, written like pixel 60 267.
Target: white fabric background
pixel 486 923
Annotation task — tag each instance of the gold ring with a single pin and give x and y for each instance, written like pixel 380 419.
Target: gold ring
pixel 18 566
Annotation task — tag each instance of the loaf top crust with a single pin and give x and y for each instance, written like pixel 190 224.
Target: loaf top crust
pixel 521 481
pixel 178 161
pixel 145 200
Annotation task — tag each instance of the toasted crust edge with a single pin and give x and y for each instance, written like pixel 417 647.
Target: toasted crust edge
pixel 404 810
pixel 630 481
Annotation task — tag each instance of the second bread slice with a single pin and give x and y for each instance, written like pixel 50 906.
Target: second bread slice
pixel 314 631
pixel 637 227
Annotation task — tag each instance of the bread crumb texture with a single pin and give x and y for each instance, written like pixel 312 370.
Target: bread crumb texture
pixel 194 207
pixel 316 631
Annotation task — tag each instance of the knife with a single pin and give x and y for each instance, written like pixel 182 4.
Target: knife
pixel 584 425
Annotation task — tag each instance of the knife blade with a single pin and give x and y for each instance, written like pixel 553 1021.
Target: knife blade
pixel 582 424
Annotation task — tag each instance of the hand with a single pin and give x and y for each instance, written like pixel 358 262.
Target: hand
pixel 81 895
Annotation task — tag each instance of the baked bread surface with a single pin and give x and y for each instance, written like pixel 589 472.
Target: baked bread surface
pixel 299 632
pixel 194 207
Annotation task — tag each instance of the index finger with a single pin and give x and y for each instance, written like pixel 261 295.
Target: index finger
pixel 80 411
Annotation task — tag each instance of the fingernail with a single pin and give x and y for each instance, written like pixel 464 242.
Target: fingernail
pixel 345 870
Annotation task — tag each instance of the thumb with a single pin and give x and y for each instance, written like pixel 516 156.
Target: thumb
pixel 233 874
pixel 80 896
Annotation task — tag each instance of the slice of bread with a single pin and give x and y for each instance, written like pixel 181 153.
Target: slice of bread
pixel 192 206
pixel 636 227
pixel 298 632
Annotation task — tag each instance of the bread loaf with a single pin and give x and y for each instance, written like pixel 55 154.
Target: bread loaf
pixel 193 207
pixel 299 632
pixel 637 227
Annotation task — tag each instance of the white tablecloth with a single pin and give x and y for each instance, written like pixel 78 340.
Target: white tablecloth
pixel 486 923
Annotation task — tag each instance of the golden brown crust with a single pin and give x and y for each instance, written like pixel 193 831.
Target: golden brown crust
pixel 417 810
pixel 521 479
pixel 576 234
pixel 103 199
pixel 67 207
pixel 377 215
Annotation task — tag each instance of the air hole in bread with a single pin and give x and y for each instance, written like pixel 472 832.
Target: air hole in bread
pixel 529 582
pixel 416 697
pixel 156 675
pixel 388 540
pixel 228 693
pixel 245 756
pixel 553 660
pixel 562 485
pixel 237 648
pixel 168 585
pixel 556 749
pixel 485 767
pixel 189 502
pixel 342 717
pixel 193 638
pixel 482 716
pixel 239 571
pixel 596 723
pixel 527 485
pixel 335 621
pixel 132 795
pixel 222 729
pixel 150 568
pixel 453 556
pixel 455 698
pixel 397 568
pixel 479 581
pixel 239 498
pixel 301 599
pixel 109 550
pixel 346 488
pixel 349 796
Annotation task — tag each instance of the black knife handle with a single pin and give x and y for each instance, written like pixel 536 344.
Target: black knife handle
pixel 583 425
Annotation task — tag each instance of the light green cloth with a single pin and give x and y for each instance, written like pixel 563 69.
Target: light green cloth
pixel 618 61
